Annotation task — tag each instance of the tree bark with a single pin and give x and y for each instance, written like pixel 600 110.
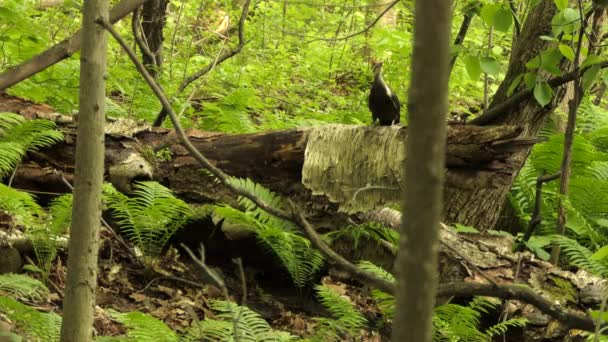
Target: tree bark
pixel 153 21
pixel 81 284
pixel 416 264
pixel 481 207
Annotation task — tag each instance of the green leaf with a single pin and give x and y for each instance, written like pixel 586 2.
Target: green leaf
pixel 566 52
pixel 530 80
pixel 561 4
pixel 543 93
pixel 472 64
pixel 591 60
pixel 514 84
pixel 550 61
pixel 503 19
pixel 534 63
pixel 488 12
pixel 490 66
pixel 601 253
pixel 589 76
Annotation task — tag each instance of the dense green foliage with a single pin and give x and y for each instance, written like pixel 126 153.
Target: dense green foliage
pixel 303 64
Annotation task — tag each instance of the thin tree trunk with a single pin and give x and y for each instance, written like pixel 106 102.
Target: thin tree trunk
pixel 424 172
pixel 81 284
pixel 154 16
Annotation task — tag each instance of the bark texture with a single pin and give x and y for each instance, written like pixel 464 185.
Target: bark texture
pixel 81 284
pixel 416 265
pixel 481 207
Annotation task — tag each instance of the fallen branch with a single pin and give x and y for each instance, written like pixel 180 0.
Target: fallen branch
pixel 60 51
pixel 570 319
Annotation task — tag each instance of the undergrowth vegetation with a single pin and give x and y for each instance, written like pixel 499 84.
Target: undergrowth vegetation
pixel 299 67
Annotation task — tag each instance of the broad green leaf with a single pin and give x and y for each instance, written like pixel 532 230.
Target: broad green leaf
pixel 566 52
pixel 514 84
pixel 488 12
pixel 534 63
pixel 561 4
pixel 550 61
pixel 490 66
pixel 543 93
pixel 601 253
pixel 589 76
pixel 503 19
pixel 591 60
pixel 472 64
pixel 530 80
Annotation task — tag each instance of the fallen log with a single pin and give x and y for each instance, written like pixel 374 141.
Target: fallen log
pixel 276 160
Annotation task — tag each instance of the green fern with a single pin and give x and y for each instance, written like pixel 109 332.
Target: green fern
pixel 280 237
pixel 45 236
pixel 345 320
pixel 32 324
pixel 454 322
pixel 17 136
pixel 18 286
pixel 250 326
pixel 142 328
pixel 21 206
pixel 151 217
pixel 580 256
pixel 385 301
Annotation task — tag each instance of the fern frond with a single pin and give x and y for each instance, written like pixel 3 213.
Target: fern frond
pixel 385 301
pixel 456 322
pixel 346 319
pixel 18 135
pixel 20 286
pixel 142 328
pixel 250 326
pixel 21 205
pixel 502 327
pixel 60 212
pixel 580 256
pixel 35 325
pixel 280 237
pixel 151 217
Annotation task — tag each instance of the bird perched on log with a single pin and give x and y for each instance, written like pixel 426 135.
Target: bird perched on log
pixel 382 102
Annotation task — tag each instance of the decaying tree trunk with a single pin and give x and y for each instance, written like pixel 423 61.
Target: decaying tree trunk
pixel 475 157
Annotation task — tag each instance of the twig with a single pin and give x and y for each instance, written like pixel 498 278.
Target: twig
pixel 462 33
pixel 536 218
pixel 143 45
pixel 492 114
pixel 218 281
pixel 179 279
pixel 223 57
pixel 515 18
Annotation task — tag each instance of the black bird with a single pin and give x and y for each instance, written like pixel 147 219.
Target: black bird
pixel 382 102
